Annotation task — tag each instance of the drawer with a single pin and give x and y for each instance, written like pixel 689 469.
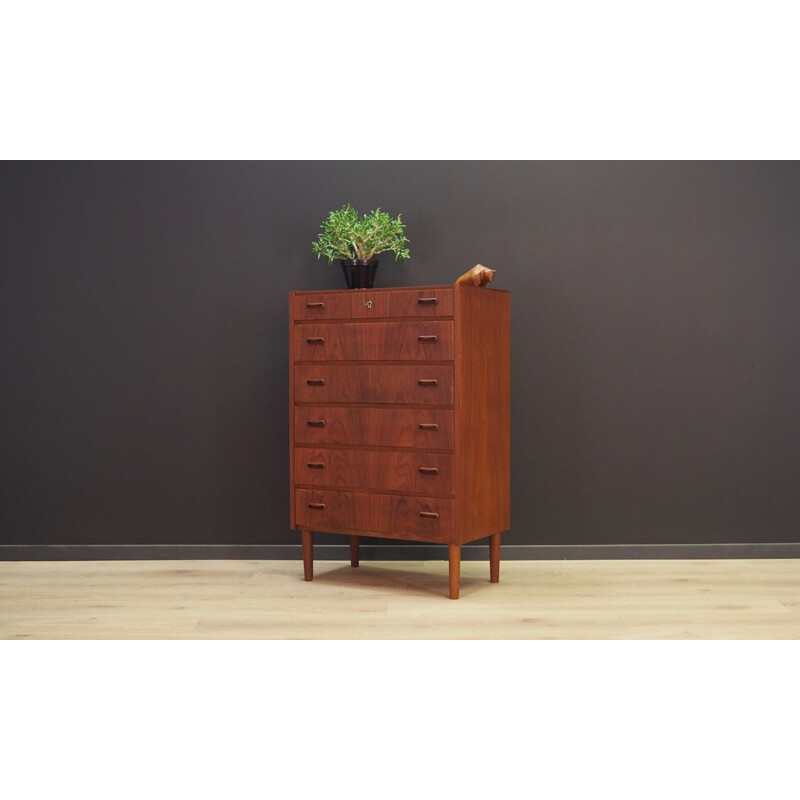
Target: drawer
pixel 424 518
pixel 374 383
pixel 417 340
pixel 388 427
pixel 371 304
pixel 382 470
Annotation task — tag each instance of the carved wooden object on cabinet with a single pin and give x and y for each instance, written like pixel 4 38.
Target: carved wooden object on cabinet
pixel 399 403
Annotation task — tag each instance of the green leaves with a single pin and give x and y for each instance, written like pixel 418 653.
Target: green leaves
pixel 346 236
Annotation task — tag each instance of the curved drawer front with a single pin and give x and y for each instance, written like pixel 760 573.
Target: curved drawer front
pixel 374 383
pixel 379 427
pixel 394 515
pixel 415 473
pixel 374 341
pixel 370 304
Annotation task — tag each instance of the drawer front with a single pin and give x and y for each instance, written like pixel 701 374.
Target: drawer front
pixel 374 341
pixel 367 304
pixel 381 470
pixel 374 383
pixel 424 518
pixel 380 427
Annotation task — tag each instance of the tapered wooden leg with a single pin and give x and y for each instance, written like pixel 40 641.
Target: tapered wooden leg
pixel 455 570
pixel 354 551
pixel 494 558
pixel 308 555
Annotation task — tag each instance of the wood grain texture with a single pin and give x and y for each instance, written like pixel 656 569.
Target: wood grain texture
pixel 401 516
pixel 378 470
pixel 292 425
pixel 373 303
pixel 430 340
pixel 421 384
pixel 428 429
pixel 350 381
pixel 482 406
pixel 174 600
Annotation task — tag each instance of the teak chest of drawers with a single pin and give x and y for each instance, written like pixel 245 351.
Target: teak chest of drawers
pixel 399 404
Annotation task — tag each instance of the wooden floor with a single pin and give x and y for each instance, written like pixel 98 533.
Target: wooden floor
pixel 708 599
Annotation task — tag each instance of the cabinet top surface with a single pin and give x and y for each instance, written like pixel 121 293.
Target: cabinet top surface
pixel 395 289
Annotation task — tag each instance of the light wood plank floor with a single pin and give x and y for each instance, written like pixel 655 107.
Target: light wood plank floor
pixel 682 599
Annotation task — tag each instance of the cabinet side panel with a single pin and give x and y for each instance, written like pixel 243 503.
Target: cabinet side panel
pixel 483 436
pixel 291 411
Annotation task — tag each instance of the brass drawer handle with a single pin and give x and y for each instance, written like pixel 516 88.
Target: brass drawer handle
pixel 316 381
pixel 425 426
pixel 315 305
pixel 316 423
pixel 316 340
pixel 315 465
pixel 428 301
pixel 428 339
pixel 428 515
pixel 427 382
pixel 428 470
pixel 317 506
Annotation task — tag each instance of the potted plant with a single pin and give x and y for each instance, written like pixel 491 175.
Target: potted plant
pixel 357 242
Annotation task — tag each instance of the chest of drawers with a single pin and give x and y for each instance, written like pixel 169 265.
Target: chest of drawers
pixel 399 406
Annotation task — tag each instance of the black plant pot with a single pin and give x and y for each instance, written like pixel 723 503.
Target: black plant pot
pixel 359 273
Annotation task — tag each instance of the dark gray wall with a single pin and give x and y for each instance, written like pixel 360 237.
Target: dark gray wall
pixel 655 352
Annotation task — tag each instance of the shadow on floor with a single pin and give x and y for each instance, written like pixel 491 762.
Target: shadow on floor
pixel 424 583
